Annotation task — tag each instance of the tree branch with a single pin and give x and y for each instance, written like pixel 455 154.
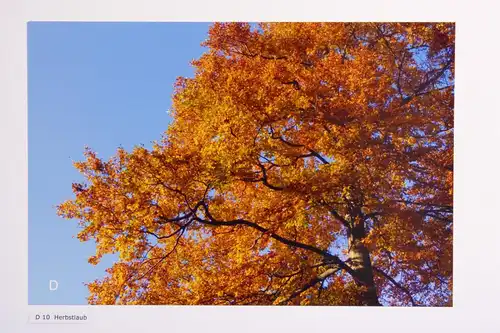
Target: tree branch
pixel 311 284
pixel 298 145
pixel 395 283
pixel 333 259
pixel 266 182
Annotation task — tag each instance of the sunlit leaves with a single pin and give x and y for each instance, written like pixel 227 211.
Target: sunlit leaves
pixel 286 137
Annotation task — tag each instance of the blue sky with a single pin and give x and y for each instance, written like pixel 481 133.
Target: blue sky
pixel 103 85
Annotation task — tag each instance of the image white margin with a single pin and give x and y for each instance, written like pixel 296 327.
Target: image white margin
pixel 476 225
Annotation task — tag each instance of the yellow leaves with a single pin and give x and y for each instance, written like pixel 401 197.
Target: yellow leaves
pixel 277 128
pixel 93 260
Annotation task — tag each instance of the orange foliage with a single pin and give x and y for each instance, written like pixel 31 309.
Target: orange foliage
pixel 287 139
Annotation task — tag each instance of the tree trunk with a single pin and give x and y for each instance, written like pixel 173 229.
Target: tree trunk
pixel 360 262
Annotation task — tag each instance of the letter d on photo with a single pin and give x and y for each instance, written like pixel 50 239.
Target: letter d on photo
pixel 53 285
pixel 37 317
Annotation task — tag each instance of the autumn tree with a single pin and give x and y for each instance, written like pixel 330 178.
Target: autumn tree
pixel 307 163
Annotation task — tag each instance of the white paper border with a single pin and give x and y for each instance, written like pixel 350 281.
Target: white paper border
pixel 476 248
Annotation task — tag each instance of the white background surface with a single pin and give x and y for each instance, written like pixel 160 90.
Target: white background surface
pixel 476 220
